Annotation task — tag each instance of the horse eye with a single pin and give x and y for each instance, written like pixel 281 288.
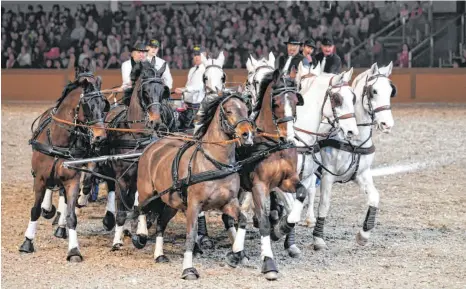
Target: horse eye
pixel 374 91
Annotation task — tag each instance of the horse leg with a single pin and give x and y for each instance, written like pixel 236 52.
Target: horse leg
pixel 109 219
pixel 85 191
pixel 162 222
pixel 62 212
pixel 72 194
pixel 237 254
pixel 151 218
pixel 39 191
pixel 189 272
pixel 309 183
pixel 140 238
pixel 269 268
pixel 61 207
pixel 48 209
pixel 202 235
pixel 324 206
pixel 120 217
pixel 366 184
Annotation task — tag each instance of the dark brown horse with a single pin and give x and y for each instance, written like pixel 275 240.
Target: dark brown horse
pixel 174 171
pixel 277 102
pixel 70 130
pixel 143 114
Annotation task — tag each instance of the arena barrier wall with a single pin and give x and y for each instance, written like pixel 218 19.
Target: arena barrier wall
pixel 414 85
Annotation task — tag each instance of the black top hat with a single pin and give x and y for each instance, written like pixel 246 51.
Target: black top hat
pixel 139 47
pixel 154 43
pixel 197 50
pixel 327 41
pixel 294 41
pixel 311 43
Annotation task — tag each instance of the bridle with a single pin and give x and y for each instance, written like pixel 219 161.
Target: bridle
pixel 368 93
pixel 230 129
pixel 335 98
pixel 255 81
pixel 204 77
pixel 145 81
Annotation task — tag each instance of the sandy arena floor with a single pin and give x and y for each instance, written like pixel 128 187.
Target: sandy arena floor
pixel 419 240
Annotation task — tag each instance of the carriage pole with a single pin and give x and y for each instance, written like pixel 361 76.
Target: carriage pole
pixel 101 159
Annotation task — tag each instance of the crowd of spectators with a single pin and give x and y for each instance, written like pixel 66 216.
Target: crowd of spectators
pixel 59 38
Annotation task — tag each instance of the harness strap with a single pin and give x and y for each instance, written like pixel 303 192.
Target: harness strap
pixel 335 143
pixel 60 152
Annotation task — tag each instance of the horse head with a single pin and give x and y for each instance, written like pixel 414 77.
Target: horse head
pixel 214 77
pixel 377 91
pixel 257 69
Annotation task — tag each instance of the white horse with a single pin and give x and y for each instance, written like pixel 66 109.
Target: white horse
pixel 373 91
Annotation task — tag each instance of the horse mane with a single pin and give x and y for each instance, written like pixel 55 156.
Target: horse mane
pixel 72 85
pixel 209 114
pixel 268 78
pixel 359 77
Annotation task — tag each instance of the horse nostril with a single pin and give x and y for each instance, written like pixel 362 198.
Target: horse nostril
pixel 350 133
pixel 245 135
pixel 383 124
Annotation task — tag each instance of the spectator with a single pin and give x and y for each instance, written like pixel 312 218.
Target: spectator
pixel 11 62
pixel 79 32
pixel 24 58
pixel 113 62
pixel 403 57
pixel 92 26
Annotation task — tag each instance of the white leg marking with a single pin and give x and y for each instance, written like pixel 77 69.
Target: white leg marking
pixel 47 201
pixel 365 235
pixel 111 202
pixel 63 211
pixel 142 226
pixel 238 245
pixel 188 260
pixel 73 239
pixel 31 230
pixel 232 235
pixel 266 248
pixel 295 214
pixel 118 239
pixel 158 247
pixel 136 199
pixel 201 214
pixel 83 199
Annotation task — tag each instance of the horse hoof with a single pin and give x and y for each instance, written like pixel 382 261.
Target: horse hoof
pixel 294 252
pixel 27 246
pixel 57 218
pixel 74 256
pixel 269 269
pixel 361 240
pixel 319 247
pixel 139 241
pixel 162 259
pixel 271 276
pixel 49 214
pixel 116 247
pixel 109 221
pixel 190 274
pixel 233 259
pixel 310 223
pixel 60 233
pixel 206 243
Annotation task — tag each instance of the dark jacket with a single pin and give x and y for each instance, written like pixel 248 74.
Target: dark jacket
pixel 332 63
pixel 281 61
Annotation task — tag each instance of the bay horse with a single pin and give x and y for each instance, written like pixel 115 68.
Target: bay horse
pixel 277 167
pixel 352 160
pixel 70 130
pixel 142 118
pixel 194 176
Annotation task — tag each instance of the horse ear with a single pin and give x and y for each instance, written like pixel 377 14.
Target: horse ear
pixel 162 69
pixel 276 75
pixel 250 64
pixel 337 78
pixel 317 69
pixel 347 75
pixel 152 62
pixel 220 59
pixel 293 72
pixel 203 59
pixel 271 59
pixel 389 69
pixel 374 69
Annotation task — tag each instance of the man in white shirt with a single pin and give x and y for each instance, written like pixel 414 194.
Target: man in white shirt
pixel 138 53
pixel 193 92
pixel 153 49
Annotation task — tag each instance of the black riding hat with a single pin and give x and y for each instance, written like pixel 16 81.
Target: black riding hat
pixel 294 41
pixel 311 43
pixel 139 47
